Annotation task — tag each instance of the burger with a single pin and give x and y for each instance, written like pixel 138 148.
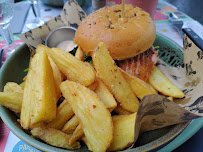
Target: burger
pixel 128 38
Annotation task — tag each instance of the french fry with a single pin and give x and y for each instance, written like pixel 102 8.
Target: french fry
pixel 93 86
pixel 13 88
pixel 152 88
pixel 39 100
pixel 88 143
pixel 77 134
pixel 58 77
pixel 11 100
pixel 138 86
pixel 70 126
pixel 74 69
pixel 161 83
pixel 64 113
pixel 93 116
pixel 118 117
pixel 119 110
pixel 54 137
pixel 170 98
pixel 123 134
pixel 79 54
pixel 22 85
pixel 112 77
pixel 105 96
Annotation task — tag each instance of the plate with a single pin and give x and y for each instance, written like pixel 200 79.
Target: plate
pixel 13 71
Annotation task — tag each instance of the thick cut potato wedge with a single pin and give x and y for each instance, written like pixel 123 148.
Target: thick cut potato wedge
pixel 152 88
pixel 119 110
pixel 22 85
pixel 79 54
pixel 123 134
pixel 105 96
pixel 112 77
pixel 64 113
pixel 77 134
pixel 70 126
pixel 161 83
pixel 93 116
pixel 138 86
pixel 70 66
pixel 11 100
pixel 118 117
pixel 13 88
pixel 170 98
pixel 94 85
pixel 39 100
pixel 58 76
pixel 54 137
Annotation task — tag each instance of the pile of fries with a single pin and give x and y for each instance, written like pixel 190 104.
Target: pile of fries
pixel 90 94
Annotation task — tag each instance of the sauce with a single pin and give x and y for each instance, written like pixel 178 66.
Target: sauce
pixel 67 45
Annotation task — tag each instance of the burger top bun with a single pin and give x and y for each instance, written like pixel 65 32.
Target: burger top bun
pixel 124 37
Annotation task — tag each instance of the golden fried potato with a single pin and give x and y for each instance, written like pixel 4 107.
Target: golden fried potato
pixel 94 85
pixel 54 137
pixel 152 88
pixel 13 88
pixel 112 77
pixel 79 54
pixel 64 113
pixel 70 126
pixel 77 134
pixel 70 66
pixel 161 83
pixel 170 98
pixel 11 100
pixel 118 117
pixel 58 77
pixel 123 134
pixel 22 85
pixel 105 96
pixel 93 116
pixel 119 110
pixel 138 86
pixel 40 98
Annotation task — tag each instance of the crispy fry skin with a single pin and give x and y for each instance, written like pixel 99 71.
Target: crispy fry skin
pixel 13 87
pixel 39 100
pixel 92 114
pixel 123 134
pixel 139 87
pixel 58 76
pixel 94 85
pixel 112 77
pixel 152 88
pixel 79 54
pixel 64 113
pixel 54 137
pixel 74 69
pixel 77 134
pixel 70 126
pixel 161 83
pixel 119 110
pixel 11 100
pixel 105 96
pixel 139 66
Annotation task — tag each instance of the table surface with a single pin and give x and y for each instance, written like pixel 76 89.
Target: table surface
pixel 194 143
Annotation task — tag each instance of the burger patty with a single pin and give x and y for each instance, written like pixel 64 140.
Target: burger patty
pixel 140 65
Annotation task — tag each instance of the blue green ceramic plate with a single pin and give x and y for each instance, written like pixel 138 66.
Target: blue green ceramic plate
pixel 13 71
